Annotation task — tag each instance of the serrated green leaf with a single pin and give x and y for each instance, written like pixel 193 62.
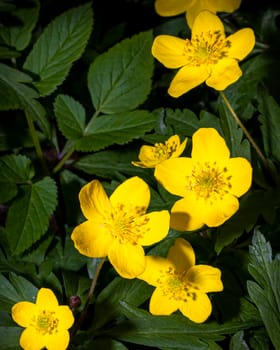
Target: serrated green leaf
pixel 6 52
pixel 121 79
pixel 15 94
pixel 270 117
pixel 71 117
pixel 61 43
pixel 265 291
pixel 185 122
pixel 28 217
pixel 18 36
pixel 112 164
pixel 116 129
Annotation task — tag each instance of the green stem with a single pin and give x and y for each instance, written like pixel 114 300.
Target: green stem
pixel 36 142
pixel 89 298
pixel 63 160
pixel 249 137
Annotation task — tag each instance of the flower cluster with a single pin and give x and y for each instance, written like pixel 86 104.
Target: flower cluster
pixel 209 183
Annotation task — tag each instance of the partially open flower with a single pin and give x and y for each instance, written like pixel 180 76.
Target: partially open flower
pixel 151 156
pixel 210 182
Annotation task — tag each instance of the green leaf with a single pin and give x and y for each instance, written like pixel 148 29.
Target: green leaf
pixel 10 338
pixel 18 36
pixel 185 122
pixel 71 117
pixel 13 169
pixel 112 164
pixel 107 304
pixel 174 331
pixel 14 290
pixel 265 291
pixel 28 217
pixel 121 79
pixel 237 342
pixel 238 146
pixel 116 129
pixel 61 43
pixel 15 94
pixel 269 118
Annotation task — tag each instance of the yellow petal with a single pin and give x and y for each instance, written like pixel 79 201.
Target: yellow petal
pixel 242 43
pixel 217 212
pixel 224 5
pixel 147 157
pixel 162 304
pixel 171 7
pixel 94 200
pixel 134 194
pixel 127 259
pixel 46 299
pixel 172 174
pixel 155 270
pixel 207 278
pixel 180 147
pixel 187 78
pixel 206 21
pixel 30 339
pixel 208 145
pixel 182 255
pixel 156 227
pixel 197 309
pixel 169 50
pixel 185 216
pixel 57 341
pixel 65 316
pixel 92 239
pixel 241 171
pixel 23 312
pixel 224 73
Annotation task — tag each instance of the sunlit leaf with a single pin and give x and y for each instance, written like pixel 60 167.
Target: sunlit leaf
pixel 120 79
pixel 59 46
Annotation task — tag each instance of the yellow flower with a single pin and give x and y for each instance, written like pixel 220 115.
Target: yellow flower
pixel 180 284
pixel 208 57
pixel 46 323
pixel 210 182
pixel 192 8
pixel 151 156
pixel 118 227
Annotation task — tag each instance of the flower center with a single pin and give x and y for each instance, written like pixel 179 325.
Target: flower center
pixel 46 322
pixel 164 151
pixel 127 224
pixel 206 48
pixel 175 285
pixel 208 181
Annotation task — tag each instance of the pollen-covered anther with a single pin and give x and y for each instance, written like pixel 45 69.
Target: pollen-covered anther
pixel 208 180
pixel 46 322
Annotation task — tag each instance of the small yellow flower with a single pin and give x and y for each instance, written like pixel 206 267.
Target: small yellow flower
pixel 208 57
pixel 192 8
pixel 151 156
pixel 118 226
pixel 210 182
pixel 46 323
pixel 180 284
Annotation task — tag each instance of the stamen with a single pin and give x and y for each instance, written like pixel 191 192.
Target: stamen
pixel 45 322
pixel 208 181
pixel 206 48
pixel 164 151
